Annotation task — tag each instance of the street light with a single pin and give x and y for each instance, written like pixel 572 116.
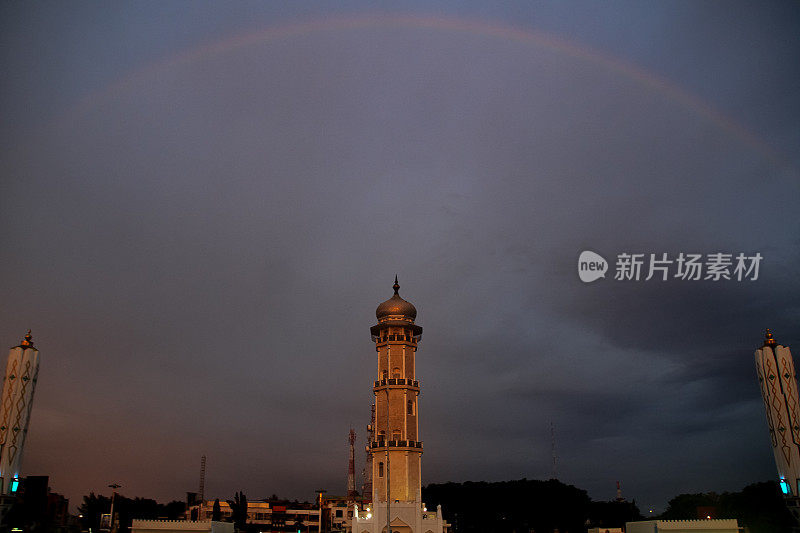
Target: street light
pixel 320 492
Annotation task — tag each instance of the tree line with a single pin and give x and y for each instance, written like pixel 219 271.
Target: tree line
pixel 510 507
pixel 546 506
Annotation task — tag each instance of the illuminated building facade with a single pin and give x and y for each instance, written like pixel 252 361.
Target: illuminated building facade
pixel 19 383
pixel 778 382
pixel 268 515
pixel 395 448
pixel 730 525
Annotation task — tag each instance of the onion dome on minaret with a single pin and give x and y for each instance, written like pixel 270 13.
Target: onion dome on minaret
pixel 395 306
pixel 396 312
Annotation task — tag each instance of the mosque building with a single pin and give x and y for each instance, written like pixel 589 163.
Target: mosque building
pixel 395 449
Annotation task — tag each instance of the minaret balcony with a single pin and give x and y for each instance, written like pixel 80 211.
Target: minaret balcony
pixel 380 332
pixel 396 383
pixel 406 444
pixel 406 339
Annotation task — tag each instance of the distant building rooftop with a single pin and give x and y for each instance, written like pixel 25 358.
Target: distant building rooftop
pixel 180 526
pixel 729 525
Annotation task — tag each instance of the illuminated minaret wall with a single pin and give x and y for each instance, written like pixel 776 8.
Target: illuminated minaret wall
pixel 778 382
pixel 396 390
pixel 19 384
pixel 394 448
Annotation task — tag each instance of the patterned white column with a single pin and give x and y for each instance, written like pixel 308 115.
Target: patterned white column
pixel 19 383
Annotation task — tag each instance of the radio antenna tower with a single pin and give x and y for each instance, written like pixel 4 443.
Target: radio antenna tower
pixel 553 447
pixel 352 494
pixel 202 490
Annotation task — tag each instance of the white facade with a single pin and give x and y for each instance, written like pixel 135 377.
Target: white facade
pixel 406 517
pixel 180 526
pixel 19 383
pixel 683 526
pixel 261 513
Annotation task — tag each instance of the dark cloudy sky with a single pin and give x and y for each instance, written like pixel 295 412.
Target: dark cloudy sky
pixel 201 205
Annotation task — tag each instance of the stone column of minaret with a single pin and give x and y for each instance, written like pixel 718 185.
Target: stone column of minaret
pixel 19 383
pixel 395 449
pixel 778 382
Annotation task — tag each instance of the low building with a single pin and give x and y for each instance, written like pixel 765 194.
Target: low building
pixel 180 526
pixel 337 513
pixel 605 530
pixel 38 508
pixel 730 525
pixel 270 514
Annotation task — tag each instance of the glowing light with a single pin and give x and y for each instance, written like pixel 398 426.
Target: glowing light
pixel 785 487
pixel 369 515
pixel 14 485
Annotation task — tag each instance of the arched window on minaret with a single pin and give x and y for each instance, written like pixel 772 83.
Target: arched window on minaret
pixel 411 407
pixel 385 374
pixel 381 435
pixel 396 372
pixel 380 469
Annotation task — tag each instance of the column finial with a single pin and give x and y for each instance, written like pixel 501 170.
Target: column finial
pixel 769 340
pixel 28 340
pixel 396 285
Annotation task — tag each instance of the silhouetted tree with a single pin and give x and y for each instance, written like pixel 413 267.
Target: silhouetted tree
pixel 508 506
pixel 91 509
pixel 239 510
pixel 127 509
pixel 173 510
pixel 613 514
pixel 684 506
pixel 758 507
pixel 216 512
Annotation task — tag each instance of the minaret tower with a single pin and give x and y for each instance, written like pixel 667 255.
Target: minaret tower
pixel 395 448
pixel 396 390
pixel 22 371
pixel 778 382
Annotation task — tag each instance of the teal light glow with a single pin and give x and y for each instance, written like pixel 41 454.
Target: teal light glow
pixel 14 485
pixel 785 487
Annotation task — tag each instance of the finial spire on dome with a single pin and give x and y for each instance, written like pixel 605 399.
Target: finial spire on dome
pixel 768 340
pixel 396 285
pixel 28 340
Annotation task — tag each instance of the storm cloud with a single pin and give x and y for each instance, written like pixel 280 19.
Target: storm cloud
pixel 198 220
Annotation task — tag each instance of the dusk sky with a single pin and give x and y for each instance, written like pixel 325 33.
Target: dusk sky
pixel 202 204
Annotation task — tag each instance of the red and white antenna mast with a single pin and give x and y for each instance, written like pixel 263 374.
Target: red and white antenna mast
pixel 553 447
pixel 202 489
pixel 352 493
